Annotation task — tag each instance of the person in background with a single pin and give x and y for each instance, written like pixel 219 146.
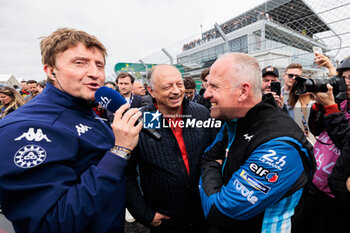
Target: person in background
pixel 41 86
pixel 337 126
pixel 139 89
pixel 270 74
pixel 329 214
pixel 323 61
pixel 204 77
pixel 301 106
pixel 292 71
pixel 32 86
pixel 10 100
pixel 62 168
pixel 124 82
pixel 110 85
pixel 24 89
pixel 190 89
pixel 256 172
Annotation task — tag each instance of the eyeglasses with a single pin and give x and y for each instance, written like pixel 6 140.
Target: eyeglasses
pixel 292 75
pixel 346 78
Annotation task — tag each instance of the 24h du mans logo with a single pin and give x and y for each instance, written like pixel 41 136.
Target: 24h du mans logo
pixel 29 156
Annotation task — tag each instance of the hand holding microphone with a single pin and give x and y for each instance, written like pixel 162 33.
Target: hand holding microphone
pixel 111 100
pixel 126 128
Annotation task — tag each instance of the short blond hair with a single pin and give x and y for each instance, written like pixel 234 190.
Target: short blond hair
pixel 63 39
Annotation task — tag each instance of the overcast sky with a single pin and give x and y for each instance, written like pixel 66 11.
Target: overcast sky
pixel 130 29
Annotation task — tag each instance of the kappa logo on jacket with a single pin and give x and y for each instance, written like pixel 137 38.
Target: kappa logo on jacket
pixel 82 128
pixel 32 135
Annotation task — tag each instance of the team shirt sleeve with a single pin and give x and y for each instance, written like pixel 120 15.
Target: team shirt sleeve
pixel 261 181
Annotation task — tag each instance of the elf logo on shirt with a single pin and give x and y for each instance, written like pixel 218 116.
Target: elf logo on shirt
pixel 263 172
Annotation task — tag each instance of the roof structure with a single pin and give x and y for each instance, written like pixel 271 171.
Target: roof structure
pixel 295 14
pixel 5 77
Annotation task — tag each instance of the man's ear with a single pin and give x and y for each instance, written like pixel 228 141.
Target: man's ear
pixel 244 89
pixel 150 91
pixel 49 70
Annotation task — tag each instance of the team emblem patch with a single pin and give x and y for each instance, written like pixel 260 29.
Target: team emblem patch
pixel 272 177
pixel 29 156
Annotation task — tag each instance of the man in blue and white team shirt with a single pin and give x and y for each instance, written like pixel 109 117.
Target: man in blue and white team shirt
pixel 256 171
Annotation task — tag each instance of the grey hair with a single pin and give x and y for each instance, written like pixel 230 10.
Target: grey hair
pixel 149 77
pixel 246 69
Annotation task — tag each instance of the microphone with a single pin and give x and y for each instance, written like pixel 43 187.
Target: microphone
pixel 111 100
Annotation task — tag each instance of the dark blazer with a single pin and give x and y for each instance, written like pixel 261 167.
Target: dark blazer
pixel 164 185
pixel 136 101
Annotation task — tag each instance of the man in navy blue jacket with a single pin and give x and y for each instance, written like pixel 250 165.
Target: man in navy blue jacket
pixel 59 170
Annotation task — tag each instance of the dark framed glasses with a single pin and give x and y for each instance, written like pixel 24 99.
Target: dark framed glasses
pixel 346 78
pixel 292 76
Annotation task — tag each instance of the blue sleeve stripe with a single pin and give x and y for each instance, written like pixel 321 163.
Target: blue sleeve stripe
pixel 278 217
pixel 206 201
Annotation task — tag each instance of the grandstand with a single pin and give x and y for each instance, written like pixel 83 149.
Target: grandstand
pixel 277 32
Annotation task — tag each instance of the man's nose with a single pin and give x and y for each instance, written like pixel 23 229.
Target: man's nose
pixel 93 70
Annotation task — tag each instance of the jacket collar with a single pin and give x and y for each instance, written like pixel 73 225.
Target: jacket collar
pixel 267 101
pixel 64 99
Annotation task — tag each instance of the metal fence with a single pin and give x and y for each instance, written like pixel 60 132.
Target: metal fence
pixel 277 32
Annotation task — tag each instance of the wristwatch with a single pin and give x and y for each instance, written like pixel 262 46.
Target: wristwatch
pixel 120 153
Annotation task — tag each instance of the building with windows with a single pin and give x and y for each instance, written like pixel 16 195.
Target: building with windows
pixel 277 32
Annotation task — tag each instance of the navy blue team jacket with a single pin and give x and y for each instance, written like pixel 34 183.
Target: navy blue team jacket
pixel 56 171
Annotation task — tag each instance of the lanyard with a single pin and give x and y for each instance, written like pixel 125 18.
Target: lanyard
pixel 230 141
pixel 131 99
pixel 306 128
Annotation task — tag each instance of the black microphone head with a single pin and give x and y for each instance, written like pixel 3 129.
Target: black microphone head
pixel 109 99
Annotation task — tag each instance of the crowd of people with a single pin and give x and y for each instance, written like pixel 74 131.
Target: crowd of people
pixel 11 98
pixel 228 27
pixel 236 157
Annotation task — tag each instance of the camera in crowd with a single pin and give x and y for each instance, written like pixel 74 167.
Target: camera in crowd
pixel 303 85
